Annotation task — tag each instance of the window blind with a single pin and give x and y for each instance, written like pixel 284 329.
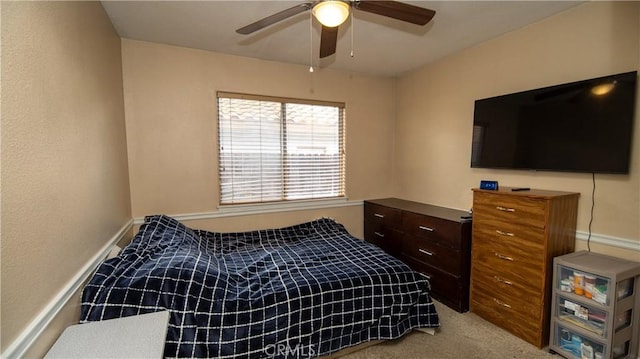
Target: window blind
pixel 278 149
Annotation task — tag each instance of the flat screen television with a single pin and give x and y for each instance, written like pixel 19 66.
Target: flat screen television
pixel 583 126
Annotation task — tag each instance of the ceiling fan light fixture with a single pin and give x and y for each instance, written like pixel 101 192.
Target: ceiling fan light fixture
pixel 331 13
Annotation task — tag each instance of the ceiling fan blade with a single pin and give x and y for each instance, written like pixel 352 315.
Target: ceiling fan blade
pixel 397 10
pixel 328 41
pixel 277 17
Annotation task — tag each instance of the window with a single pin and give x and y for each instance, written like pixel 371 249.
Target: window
pixel 276 149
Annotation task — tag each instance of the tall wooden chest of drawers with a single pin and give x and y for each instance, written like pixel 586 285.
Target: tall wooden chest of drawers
pixel 434 241
pixel 516 235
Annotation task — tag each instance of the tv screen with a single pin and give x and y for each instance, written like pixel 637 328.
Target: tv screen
pixel 583 126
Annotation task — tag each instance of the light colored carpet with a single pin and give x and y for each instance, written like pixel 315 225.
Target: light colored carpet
pixel 459 336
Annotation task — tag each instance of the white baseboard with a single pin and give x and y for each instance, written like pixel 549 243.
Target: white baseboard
pixel 618 242
pixel 37 326
pixel 609 241
pixel 253 209
pixel 30 334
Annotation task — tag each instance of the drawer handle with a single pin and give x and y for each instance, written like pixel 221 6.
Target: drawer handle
pixel 504 281
pixel 505 209
pixel 501 303
pixel 379 215
pixel 425 251
pixel 428 229
pixel 502 256
pixel 381 235
pixel 425 275
pixel 502 233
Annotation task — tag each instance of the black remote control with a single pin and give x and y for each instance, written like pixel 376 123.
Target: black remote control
pixel 520 189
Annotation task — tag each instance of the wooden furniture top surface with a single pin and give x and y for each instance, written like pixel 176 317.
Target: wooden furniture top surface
pixel 421 208
pixel 532 193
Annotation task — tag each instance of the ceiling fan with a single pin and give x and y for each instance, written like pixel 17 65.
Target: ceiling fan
pixel 332 13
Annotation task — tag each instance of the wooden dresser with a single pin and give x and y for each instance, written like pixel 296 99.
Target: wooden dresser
pixel 434 241
pixel 516 235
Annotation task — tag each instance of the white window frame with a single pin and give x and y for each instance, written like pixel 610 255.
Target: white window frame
pixel 283 203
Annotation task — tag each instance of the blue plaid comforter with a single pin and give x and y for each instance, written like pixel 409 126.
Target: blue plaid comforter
pixel 303 291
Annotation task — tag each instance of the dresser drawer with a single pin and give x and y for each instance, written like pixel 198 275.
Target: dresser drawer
pixel 519 260
pixel 389 239
pixel 508 317
pixel 445 233
pixel 381 216
pixel 512 288
pixel 512 209
pixel 428 252
pixel 449 289
pixel 527 308
pixel 500 230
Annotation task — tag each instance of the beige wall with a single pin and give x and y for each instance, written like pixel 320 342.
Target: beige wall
pixel 435 112
pixel 65 190
pixel 65 183
pixel 171 116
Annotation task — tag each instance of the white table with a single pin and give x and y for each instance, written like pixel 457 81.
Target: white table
pixel 138 336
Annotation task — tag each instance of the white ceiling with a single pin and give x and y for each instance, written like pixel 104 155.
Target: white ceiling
pixel 382 46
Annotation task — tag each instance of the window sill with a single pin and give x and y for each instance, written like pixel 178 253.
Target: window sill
pixel 253 209
pixel 258 208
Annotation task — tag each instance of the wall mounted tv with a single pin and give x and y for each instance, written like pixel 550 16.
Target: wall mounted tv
pixel 583 126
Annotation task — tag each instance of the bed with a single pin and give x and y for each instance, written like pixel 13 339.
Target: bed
pixel 306 290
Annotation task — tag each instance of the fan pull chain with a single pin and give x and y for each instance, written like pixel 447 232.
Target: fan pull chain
pixel 310 41
pixel 351 14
